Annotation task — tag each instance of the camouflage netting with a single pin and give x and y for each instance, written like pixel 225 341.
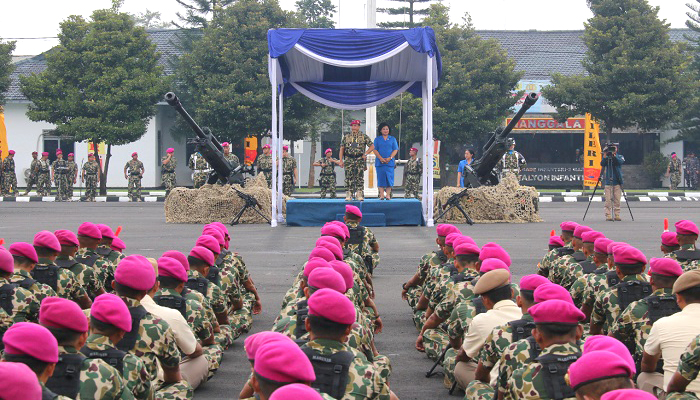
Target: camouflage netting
pixel 218 203
pixel 505 202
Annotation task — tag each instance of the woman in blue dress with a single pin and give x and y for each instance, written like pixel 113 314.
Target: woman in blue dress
pixel 385 149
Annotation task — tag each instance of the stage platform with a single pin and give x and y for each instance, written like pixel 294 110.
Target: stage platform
pixel 316 212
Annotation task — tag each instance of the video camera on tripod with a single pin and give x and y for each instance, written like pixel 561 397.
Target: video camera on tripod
pixel 610 148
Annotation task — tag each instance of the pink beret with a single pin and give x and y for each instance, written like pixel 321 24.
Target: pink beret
pixel 209 242
pixel 170 150
pixel 345 271
pixel 106 231
pixel 136 272
pixel 12 152
pixel 580 229
pixel 111 309
pixel 7 263
pixel 686 227
pixel 332 306
pixel 134 154
pixel 25 250
pixel 328 151
pixel 19 382
pixel 532 282
pixel 117 244
pixel 665 266
pixel 221 227
pixel 551 291
pixel 466 248
pixel 171 267
pixel 314 263
pixel 355 122
pixel 56 312
pixel 45 153
pixel 591 236
pixel 203 254
pixel 66 237
pixel 266 146
pixel 597 365
pixel 556 241
pixel 295 391
pixel 669 239
pixel 27 338
pixel 336 250
pixel 215 233
pixel 90 230
pixel 609 343
pixel 350 209
pixel 342 226
pixel 627 394
pixel 71 154
pixel 446 229
pixel 59 151
pixel 254 341
pixel 601 245
pixel 332 240
pixel 181 258
pixel 612 246
pixel 568 226
pixel 450 239
pixel 628 255
pixel 493 250
pixel 91 154
pixel 283 361
pixel 327 278
pixel 321 252
pixel 332 230
pixel 285 147
pixel 556 312
pixel 491 264
pixel 413 149
pixel 34 152
pixel 464 239
pixel 47 239
pixel 224 144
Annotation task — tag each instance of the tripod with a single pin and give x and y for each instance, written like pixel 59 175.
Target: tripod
pixel 453 202
pixel 602 172
pixel 250 202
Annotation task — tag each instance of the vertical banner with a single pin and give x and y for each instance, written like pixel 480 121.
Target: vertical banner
pixel 4 147
pixel 436 159
pixel 592 153
pixel 251 150
pixel 99 154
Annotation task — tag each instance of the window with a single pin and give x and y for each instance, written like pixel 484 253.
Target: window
pixel 53 143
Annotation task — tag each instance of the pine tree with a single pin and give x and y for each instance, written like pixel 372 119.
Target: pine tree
pixel 198 13
pixel 689 128
pixel 408 10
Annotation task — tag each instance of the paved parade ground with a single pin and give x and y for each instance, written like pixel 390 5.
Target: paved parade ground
pixel 274 255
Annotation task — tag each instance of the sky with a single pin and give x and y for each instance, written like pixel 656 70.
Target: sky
pixel 41 18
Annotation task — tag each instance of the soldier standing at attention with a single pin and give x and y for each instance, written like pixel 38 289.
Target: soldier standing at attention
pixel 43 175
pixel 327 179
pixel 512 161
pixel 227 153
pixel 352 158
pixel 200 169
pixel 674 171
pixel 31 181
pixel 289 172
pixel 72 178
pixel 414 170
pixel 168 177
pixel 91 177
pixel 265 164
pixel 9 178
pixel 59 175
pixel 133 171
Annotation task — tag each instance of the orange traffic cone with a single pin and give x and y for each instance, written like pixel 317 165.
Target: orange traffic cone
pixel 118 231
pixel 552 233
pixel 665 224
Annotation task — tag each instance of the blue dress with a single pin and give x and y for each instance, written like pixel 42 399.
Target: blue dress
pixel 385 172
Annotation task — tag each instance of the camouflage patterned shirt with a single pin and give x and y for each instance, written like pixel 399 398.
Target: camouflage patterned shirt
pixel 365 248
pixel 689 364
pixel 38 289
pixel 112 256
pixel 579 286
pixel 543 268
pixel 528 382
pixel 98 380
pixel 687 265
pixel 103 267
pixel 25 306
pixel 606 308
pixel 214 294
pixel 67 285
pixel 497 342
pixel 194 314
pixel 573 272
pixel 456 292
pixel 87 277
pixel 594 284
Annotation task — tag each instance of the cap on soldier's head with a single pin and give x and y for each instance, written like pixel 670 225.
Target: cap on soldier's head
pixel 450 239
pixel 172 268
pixel 628 257
pixel 70 154
pixel 413 149
pixel 134 154
pixel 224 144
pixel 332 247
pixel 117 245
pixel 556 241
pixel 532 282
pixel 47 239
pixel 326 278
pixel 253 342
pixel 91 154
pixel 204 254
pixel 170 150
pixel 552 291
pixel 344 227
pixel 578 231
pixel 493 250
pixel 285 147
pixel 59 151
pixel 350 209
pixel 609 343
pixel 669 239
pixel 332 240
pixel 322 252
pixel 34 152
pixel 136 272
pixel 283 361
pixel 686 227
pixel 591 236
pixel 314 263
pixel 111 309
pixel 687 280
pixel 90 230
pixel 215 233
pixel 355 122
pixel 492 280
pixel 181 258
pixel 25 250
pixel 209 242
pixel 611 246
pixel 569 226
pixel 56 312
pixel 328 151
pixel 464 239
pixel 7 263
pixel 332 230
pixel 464 249
pixel 556 312
pixel 266 146
pixel 30 339
pixel 106 231
pixel 296 391
pixel 596 366
pixel 665 266
pixel 445 229
pixel 12 152
pixel 45 154
pixel 222 228
pixel 66 237
pixel 19 382
pixel 491 264
pixel 627 394
pixel 345 271
pixel 601 245
pixel 333 306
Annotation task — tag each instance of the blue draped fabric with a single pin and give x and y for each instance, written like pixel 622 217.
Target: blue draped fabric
pixel 350 93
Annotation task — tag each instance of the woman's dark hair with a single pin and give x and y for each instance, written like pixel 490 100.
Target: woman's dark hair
pixel 472 152
pixel 381 126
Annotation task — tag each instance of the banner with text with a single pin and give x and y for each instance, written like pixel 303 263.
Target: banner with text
pixel 436 159
pixel 4 147
pixel 548 124
pixel 552 175
pixel 592 153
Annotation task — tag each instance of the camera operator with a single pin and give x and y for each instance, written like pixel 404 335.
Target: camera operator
pixel 612 179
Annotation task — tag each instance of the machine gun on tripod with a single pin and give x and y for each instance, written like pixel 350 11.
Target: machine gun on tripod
pixel 223 170
pixel 481 172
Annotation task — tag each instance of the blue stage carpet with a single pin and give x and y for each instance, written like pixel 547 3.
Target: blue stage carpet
pixel 316 212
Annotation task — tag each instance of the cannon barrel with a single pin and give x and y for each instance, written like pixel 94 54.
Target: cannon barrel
pixel 530 99
pixel 172 99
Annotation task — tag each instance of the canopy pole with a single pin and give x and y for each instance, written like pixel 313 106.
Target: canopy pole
pixel 273 189
pixel 431 144
pixel 280 170
pixel 424 175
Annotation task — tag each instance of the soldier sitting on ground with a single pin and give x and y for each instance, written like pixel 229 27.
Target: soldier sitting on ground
pixel 362 241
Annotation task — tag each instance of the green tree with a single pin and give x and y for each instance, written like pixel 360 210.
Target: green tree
pixel 198 13
pixel 101 83
pixel 150 20
pixel 6 68
pixel 635 75
pixel 689 127
pixel 408 10
pixel 316 13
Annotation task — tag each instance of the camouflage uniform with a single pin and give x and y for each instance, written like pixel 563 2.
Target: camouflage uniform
pixel 674 168
pixel 200 169
pixel 288 166
pixel 133 373
pixel 580 288
pixel 214 294
pixel 427 263
pixel 110 255
pixel 86 276
pixel 232 158
pixel 9 178
pixel 72 171
pixel 528 382
pixel 25 306
pixel 364 249
pixel 544 266
pixel 133 169
pixel 103 267
pixel 67 285
pixel 511 162
pixel 91 169
pixel 31 181
pixel 414 170
pixel 688 367
pixel 692 170
pixel 516 356
pixel 355 145
pixel 38 289
pixel 43 178
pixel 327 178
pixel 98 380
pixel 687 265
pixel 265 166
pixel 168 176
pixel 60 179
pixel 606 308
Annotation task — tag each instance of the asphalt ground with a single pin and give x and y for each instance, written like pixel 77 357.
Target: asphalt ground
pixel 274 255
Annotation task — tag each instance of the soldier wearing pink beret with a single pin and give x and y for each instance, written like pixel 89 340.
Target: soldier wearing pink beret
pixel 277 364
pixel 572 269
pixel 567 235
pixel 25 259
pixel 687 255
pixel 104 249
pixel 362 240
pixel 90 237
pixel 295 391
pixel 167 170
pixel 555 242
pixel 18 302
pixel 327 174
pixel 87 276
pixel 598 372
pixel 669 242
pixel 559 268
pixel 19 382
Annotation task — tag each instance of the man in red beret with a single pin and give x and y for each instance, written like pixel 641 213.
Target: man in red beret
pixel 9 178
pixel 567 235
pixel 91 176
pixel 25 258
pixel 352 158
pixel 43 175
pixel 362 240
pixel 598 372
pixel 687 255
pixel 200 168
pixel 59 176
pixel 33 170
pixel 413 170
pixel 575 269
pixel 280 363
pixel 105 249
pixel 558 268
pixel 87 276
pixel 265 164
pixel 669 242
pixel 201 259
pixel 133 172
pixel 18 302
pixel 600 259
pixel 89 238
pixel 72 175
pixel 167 170
pixel 290 173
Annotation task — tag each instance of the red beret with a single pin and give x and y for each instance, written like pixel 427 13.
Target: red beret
pixel 283 361
pixel 285 147
pixel 7 263
pixel 556 241
pixel 551 291
pixel 342 226
pixel 117 244
pixel 466 248
pixel 66 237
pixel 216 233
pixel 134 154
pixel 19 382
pixel 355 122
pixel 221 227
pixel 669 239
pixel 345 271
pixel 253 342
pixel 70 154
pixel 209 242
pixel 628 255
pixel 266 146
pixel 450 239
pixel 493 250
pixel 609 343
pixel 556 312
pixel 333 248
pixel 224 144
pixel 90 230
pixel 491 264
pixel 91 154
pixel 333 306
pixel 464 239
pixel 446 229
pixel 332 230
pixel 47 239
pixel 59 151
pixel 56 312
pixel 332 240
pixel 322 252
pixel 601 245
pixel 296 391
pixel 314 263
pixel 181 258
pixel 111 309
pixel 532 282
pixel 170 150
pixel 597 365
pixel 136 272
pixel 25 250
pixel 591 236
pixel 34 152
pixel 106 231
pixel 413 149
pixel 612 246
pixel 627 394
pixel 327 278
pixel 686 227
pixel 350 209
pixel 45 153
pixel 11 152
pixel 568 226
pixel 328 151
pixel 30 339
pixel 580 229
pixel 171 267
pixel 204 254
pixel 665 266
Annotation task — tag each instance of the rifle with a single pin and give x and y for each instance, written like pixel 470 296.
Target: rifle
pixel 441 357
